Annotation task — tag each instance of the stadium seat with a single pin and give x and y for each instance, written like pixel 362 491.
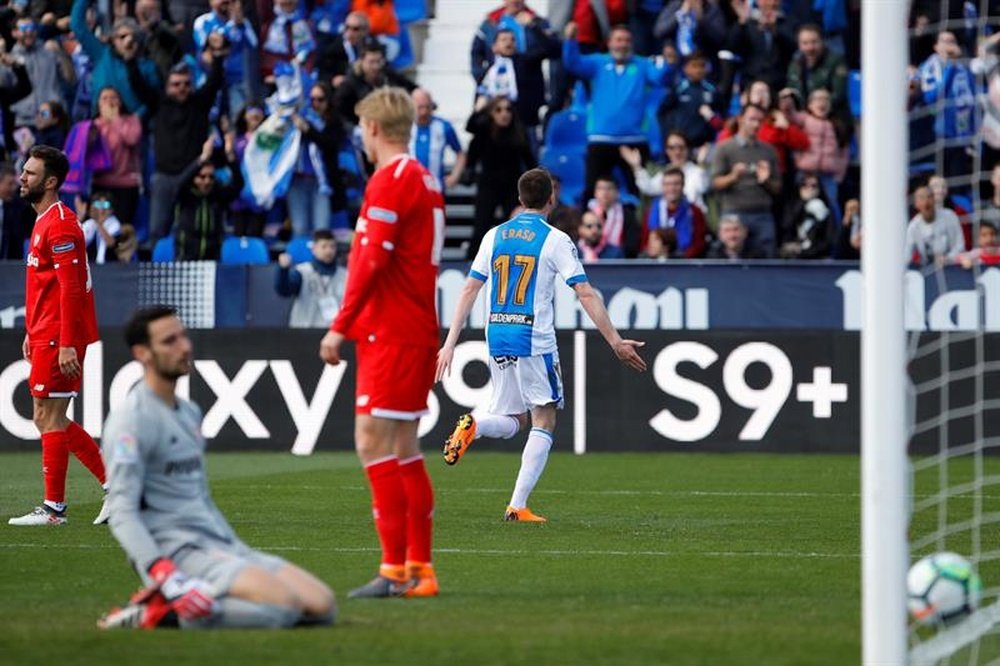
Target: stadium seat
pixel 244 251
pixel 299 248
pixel 27 247
pixel 408 11
pixel 163 251
pixel 566 129
pixel 568 165
pixel 854 92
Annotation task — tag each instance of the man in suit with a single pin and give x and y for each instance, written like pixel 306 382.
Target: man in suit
pixel 336 53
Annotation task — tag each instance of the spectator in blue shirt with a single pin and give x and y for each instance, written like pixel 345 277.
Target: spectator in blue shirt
pixel 227 18
pixel 430 137
pixel 113 60
pixel 619 81
pixel 950 87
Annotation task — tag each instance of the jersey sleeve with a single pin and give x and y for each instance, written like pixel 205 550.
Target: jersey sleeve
pixel 65 244
pixel 125 455
pixel 379 228
pixel 451 138
pixel 566 261
pixel 480 269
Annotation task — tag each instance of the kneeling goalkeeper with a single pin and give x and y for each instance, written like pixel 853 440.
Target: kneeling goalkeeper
pixel 198 573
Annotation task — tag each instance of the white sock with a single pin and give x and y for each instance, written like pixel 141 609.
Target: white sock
pixel 533 459
pixel 496 426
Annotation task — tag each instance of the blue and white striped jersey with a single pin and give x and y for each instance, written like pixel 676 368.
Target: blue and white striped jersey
pixel 520 261
pixel 428 143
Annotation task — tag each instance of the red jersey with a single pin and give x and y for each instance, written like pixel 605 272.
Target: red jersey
pixel 59 295
pixel 391 291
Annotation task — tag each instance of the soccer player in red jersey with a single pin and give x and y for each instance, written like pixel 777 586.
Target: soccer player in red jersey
pixel 389 311
pixel 60 322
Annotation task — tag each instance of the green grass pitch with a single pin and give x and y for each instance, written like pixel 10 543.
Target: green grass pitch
pixel 646 559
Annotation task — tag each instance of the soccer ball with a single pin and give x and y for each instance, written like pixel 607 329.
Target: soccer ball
pixel 942 588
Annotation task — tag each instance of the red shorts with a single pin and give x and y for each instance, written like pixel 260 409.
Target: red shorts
pixel 394 380
pixel 46 380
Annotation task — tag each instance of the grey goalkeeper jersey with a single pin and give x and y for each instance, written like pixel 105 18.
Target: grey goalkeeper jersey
pixel 158 494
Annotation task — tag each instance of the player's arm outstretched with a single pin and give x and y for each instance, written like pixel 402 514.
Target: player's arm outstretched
pixel 465 301
pixel 624 349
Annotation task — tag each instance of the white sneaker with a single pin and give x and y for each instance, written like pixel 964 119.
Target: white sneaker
pixel 40 516
pixel 104 514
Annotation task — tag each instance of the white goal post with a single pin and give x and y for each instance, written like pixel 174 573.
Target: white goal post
pixel 885 558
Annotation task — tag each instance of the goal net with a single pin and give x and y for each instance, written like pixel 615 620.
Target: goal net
pixel 952 315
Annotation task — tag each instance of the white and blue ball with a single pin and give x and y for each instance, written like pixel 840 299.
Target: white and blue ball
pixel 942 588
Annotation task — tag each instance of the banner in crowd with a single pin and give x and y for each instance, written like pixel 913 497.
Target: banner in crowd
pixel 725 391
pixel 692 296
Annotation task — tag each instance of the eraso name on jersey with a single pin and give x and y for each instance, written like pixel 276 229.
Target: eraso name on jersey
pixel 512 318
pixel 521 234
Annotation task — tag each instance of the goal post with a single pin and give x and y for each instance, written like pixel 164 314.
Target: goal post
pixel 885 558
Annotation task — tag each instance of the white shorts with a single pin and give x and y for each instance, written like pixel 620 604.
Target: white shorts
pixel 520 383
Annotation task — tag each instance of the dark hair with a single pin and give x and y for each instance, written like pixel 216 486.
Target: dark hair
pixel 371 45
pixel 674 171
pixel 751 105
pixel 322 234
pixel 329 115
pixel 240 125
pixel 986 224
pixel 102 195
pixel 58 113
pixel 55 161
pixel 534 188
pixel 137 326
pixel 695 56
pixel 500 32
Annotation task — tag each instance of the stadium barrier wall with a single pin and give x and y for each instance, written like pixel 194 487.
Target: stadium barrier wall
pixel 726 391
pixel 691 296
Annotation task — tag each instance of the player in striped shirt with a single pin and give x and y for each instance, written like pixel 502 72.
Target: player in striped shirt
pixel 520 262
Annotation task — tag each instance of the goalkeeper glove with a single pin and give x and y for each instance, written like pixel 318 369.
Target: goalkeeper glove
pixel 191 598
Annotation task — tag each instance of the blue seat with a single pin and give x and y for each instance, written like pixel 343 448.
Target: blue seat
pixel 244 251
pixel 163 251
pixel 854 92
pixel 408 11
pixel 300 249
pixel 566 129
pixel 568 165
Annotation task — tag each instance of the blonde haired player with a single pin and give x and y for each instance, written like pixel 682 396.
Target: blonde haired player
pixel 389 311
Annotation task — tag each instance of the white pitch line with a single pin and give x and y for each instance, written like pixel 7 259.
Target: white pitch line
pixel 609 492
pixel 497 551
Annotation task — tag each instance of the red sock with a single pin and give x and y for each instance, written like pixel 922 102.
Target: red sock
pixel 55 461
pixel 389 509
pixel 419 509
pixel 86 450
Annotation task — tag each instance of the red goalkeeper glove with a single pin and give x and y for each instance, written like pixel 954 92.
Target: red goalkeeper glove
pixel 191 598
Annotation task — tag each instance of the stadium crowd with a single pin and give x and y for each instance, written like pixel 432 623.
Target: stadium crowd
pixel 675 128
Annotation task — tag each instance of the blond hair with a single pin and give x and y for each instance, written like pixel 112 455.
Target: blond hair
pixel 392 109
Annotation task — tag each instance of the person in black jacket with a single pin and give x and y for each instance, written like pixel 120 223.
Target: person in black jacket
pixel 202 205
pixel 542 44
pixel 15 217
pixel 336 53
pixel 368 72
pixel 12 89
pixel 180 125
pixel 692 106
pixel 317 189
pixel 500 150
